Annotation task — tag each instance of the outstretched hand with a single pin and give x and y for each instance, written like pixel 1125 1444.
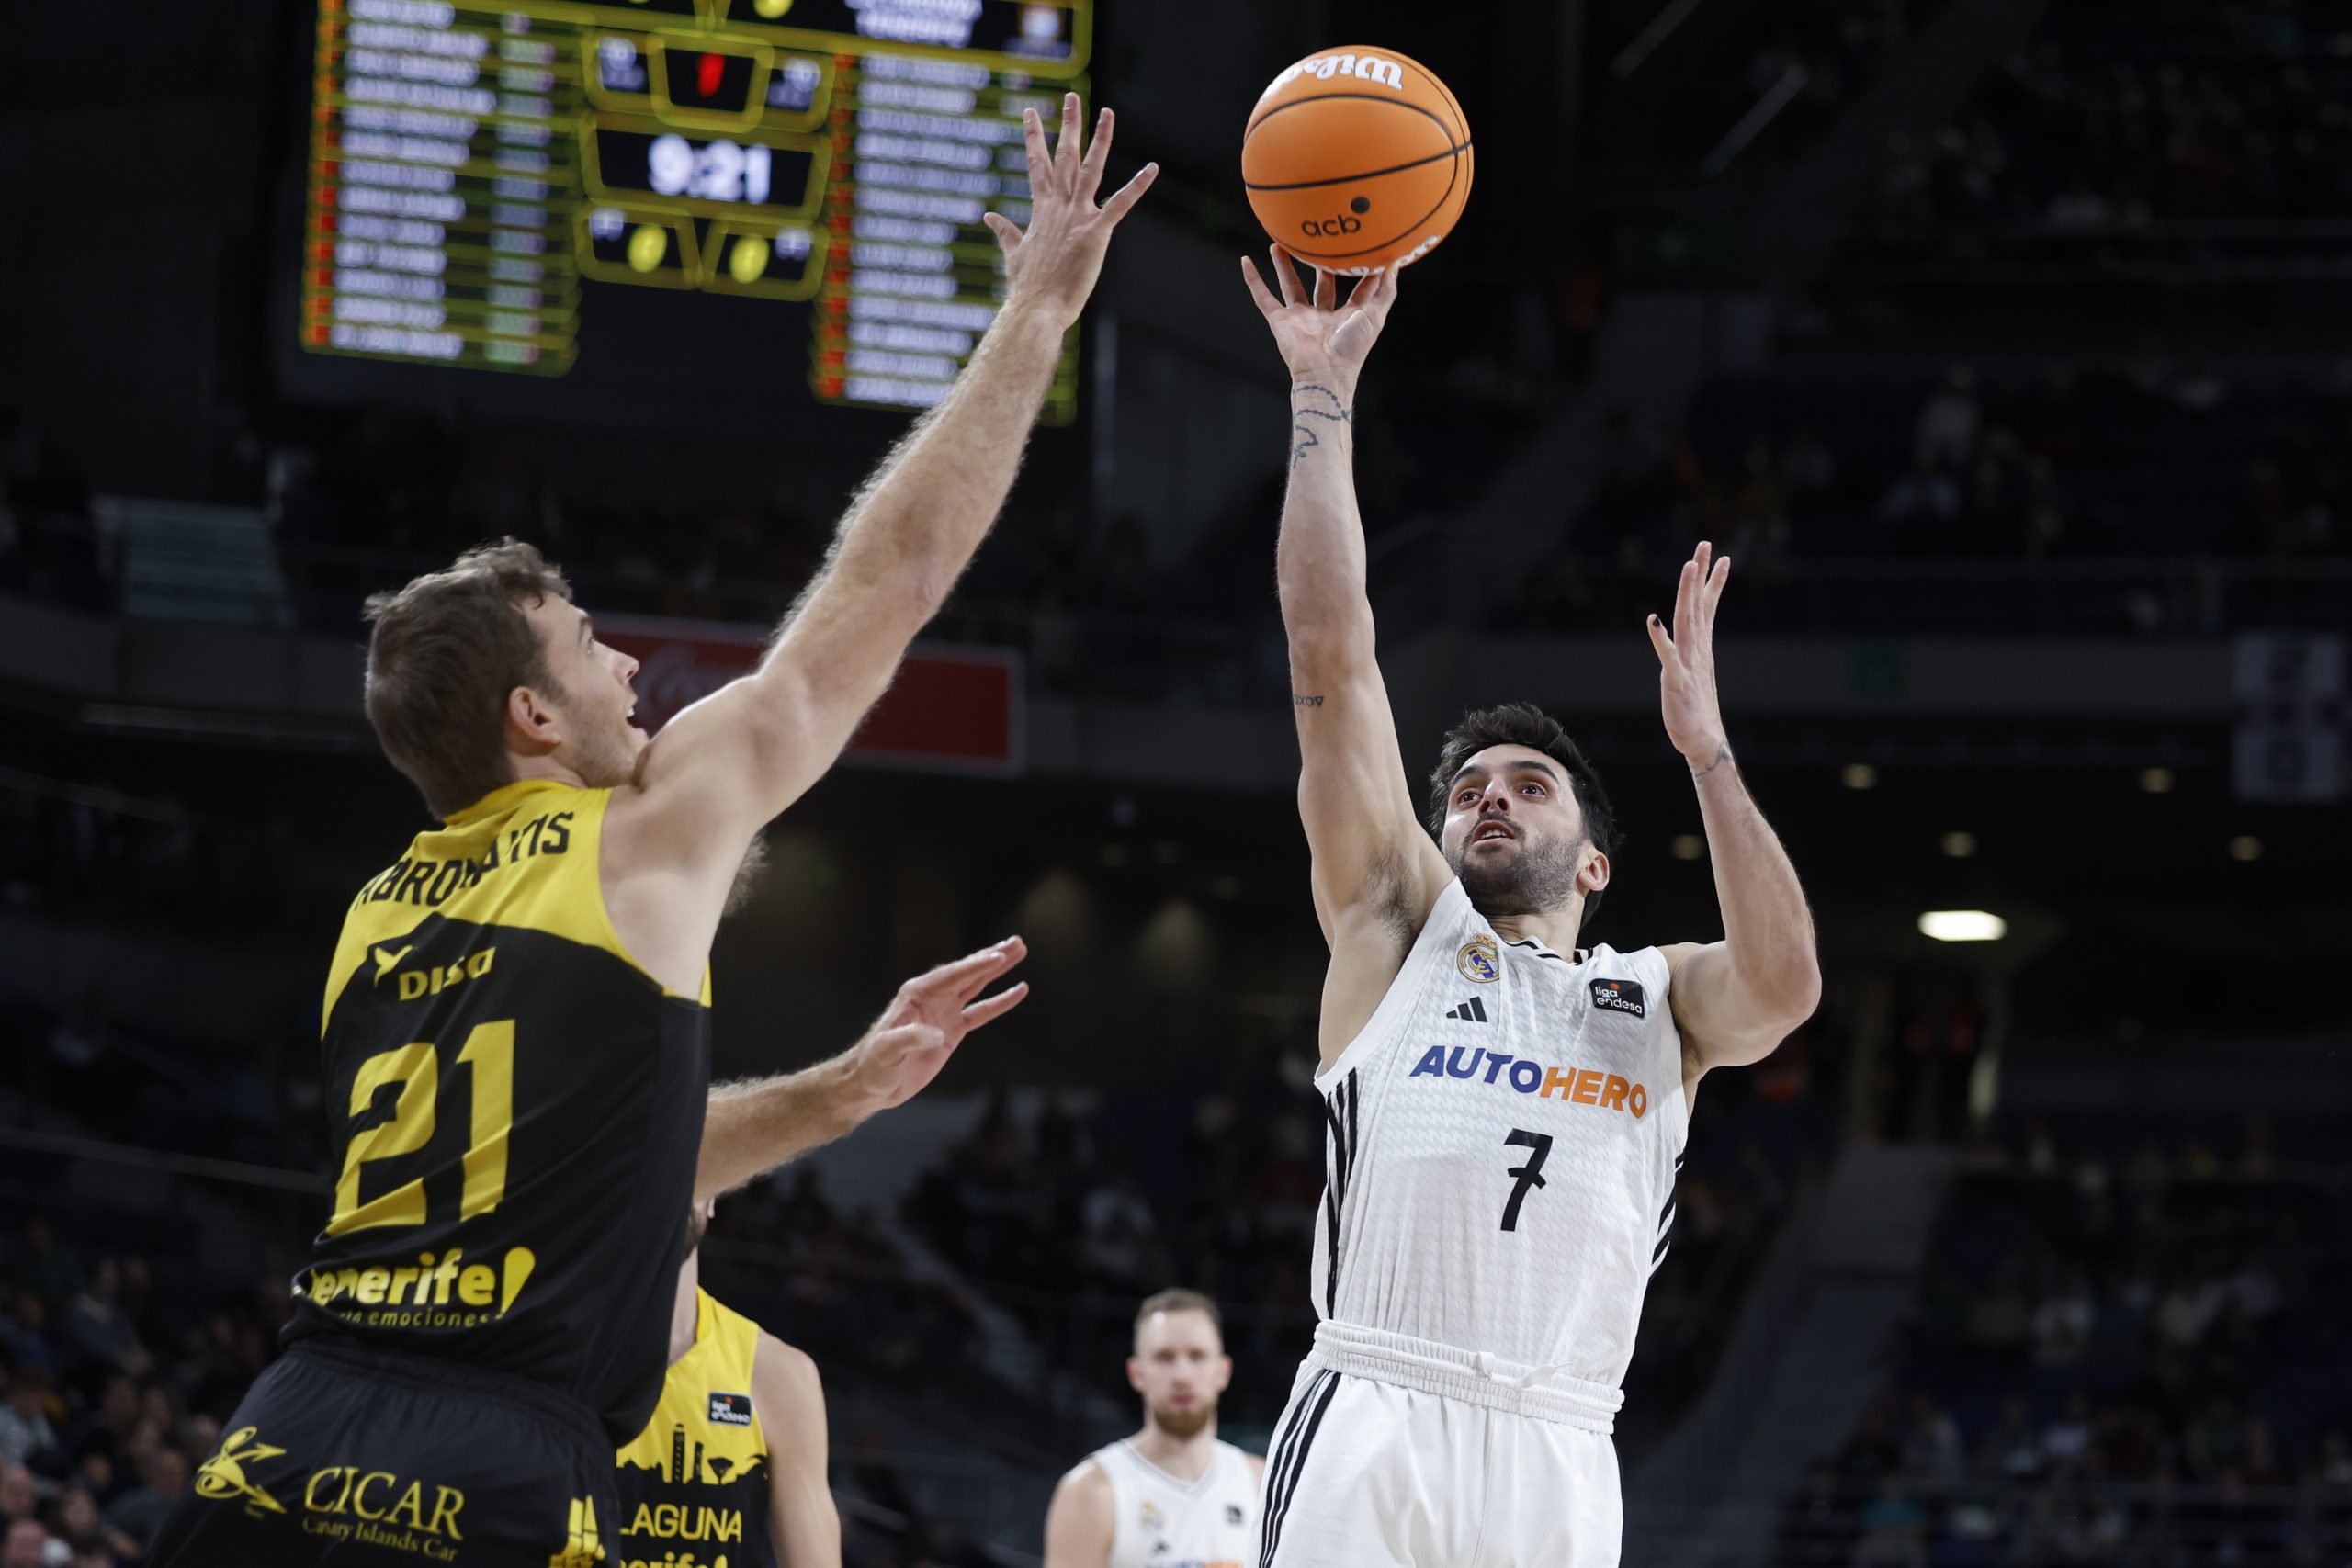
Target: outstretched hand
pixel 927 1020
pixel 1686 657
pixel 1055 262
pixel 1320 339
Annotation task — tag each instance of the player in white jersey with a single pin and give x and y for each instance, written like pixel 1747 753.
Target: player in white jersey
pixel 1506 1109
pixel 1172 1495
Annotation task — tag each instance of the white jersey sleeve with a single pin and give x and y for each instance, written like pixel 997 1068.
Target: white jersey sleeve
pixel 1502 1150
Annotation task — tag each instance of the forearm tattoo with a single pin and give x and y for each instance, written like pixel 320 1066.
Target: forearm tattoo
pixel 1722 755
pixel 1300 701
pixel 1302 415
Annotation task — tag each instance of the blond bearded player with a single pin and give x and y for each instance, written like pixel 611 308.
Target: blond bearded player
pixel 1174 1495
pixel 1507 1111
pixel 517 1021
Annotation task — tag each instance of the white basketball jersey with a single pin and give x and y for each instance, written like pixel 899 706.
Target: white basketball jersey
pixel 1503 1141
pixel 1164 1523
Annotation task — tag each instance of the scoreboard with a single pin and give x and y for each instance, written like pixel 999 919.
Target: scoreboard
pixel 479 172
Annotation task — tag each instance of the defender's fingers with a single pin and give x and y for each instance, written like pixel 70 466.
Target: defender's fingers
pixel 995 1006
pixel 1032 137
pixel 1715 581
pixel 1327 289
pixel 1007 232
pixel 1065 144
pixel 1129 194
pixel 1660 641
pixel 1090 168
pixel 976 970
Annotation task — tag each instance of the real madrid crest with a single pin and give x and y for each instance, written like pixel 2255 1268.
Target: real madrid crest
pixel 1480 960
pixel 1150 1516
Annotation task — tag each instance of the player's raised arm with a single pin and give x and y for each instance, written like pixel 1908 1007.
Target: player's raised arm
pixel 728 764
pixel 1737 998
pixel 1375 872
pixel 755 1126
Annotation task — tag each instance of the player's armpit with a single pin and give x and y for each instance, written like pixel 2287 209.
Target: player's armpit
pixel 1721 1018
pixel 789 1397
pixel 1082 1522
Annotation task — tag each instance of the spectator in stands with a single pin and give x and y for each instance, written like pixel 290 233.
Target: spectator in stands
pixel 1949 422
pixel 162 1477
pixel 19 1495
pixel 26 1434
pixel 26 1545
pixel 78 1524
pixel 43 1268
pixel 96 1329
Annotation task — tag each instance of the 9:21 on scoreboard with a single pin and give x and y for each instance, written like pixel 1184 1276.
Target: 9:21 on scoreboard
pixel 478 170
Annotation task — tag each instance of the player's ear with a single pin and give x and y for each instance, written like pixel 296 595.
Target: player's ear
pixel 531 721
pixel 1593 876
pixel 1134 1374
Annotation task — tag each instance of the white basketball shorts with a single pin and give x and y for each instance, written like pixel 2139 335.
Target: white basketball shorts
pixel 1398 1453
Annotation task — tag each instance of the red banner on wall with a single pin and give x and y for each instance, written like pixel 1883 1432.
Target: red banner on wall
pixel 952 707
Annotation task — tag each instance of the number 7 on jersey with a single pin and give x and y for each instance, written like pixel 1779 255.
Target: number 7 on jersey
pixel 1529 1175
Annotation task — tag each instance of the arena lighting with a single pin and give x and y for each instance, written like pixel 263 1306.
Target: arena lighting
pixel 1858 775
pixel 1962 925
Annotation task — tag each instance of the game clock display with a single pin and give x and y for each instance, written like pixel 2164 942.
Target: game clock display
pixel 479 172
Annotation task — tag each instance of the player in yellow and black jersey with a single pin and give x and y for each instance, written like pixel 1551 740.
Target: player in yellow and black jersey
pixel 731 1470
pixel 516 1023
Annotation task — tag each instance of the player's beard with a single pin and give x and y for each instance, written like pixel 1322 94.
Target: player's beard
pixel 1540 878
pixel 605 757
pixel 1183 1424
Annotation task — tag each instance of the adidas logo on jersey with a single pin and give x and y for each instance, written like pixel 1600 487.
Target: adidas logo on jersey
pixel 1471 1011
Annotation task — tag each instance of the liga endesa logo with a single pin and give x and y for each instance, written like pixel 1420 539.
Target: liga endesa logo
pixel 1576 1086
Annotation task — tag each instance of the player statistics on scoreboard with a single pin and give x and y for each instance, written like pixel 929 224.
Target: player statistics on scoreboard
pixel 478 172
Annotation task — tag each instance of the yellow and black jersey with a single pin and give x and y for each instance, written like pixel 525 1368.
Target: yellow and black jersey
pixel 516 1109
pixel 694 1486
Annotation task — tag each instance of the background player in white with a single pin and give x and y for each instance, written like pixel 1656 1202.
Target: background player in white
pixel 1507 1111
pixel 1172 1495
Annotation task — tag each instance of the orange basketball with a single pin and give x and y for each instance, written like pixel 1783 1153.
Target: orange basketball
pixel 1357 160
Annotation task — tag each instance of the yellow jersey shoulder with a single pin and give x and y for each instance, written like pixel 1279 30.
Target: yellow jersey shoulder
pixel 526 856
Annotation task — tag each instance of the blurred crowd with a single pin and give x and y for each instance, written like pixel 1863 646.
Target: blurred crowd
pixel 114 1387
pixel 2138 462
pixel 2138 1360
pixel 2123 116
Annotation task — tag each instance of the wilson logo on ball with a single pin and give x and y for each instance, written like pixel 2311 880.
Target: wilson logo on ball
pixel 1363 67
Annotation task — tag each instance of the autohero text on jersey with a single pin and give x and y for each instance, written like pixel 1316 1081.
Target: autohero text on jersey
pixel 1576 1086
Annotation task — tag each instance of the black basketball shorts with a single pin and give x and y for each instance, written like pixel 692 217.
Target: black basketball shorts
pixel 344 1456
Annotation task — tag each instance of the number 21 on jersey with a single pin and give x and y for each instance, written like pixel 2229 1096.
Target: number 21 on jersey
pixel 489 1053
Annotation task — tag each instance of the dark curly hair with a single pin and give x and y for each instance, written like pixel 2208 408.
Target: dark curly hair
pixel 1524 724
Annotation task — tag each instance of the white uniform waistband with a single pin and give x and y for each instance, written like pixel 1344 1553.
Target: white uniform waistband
pixel 1547 1393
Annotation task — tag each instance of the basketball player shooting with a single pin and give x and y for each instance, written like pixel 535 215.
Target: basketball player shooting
pixel 1175 1495
pixel 516 1030
pixel 1506 1109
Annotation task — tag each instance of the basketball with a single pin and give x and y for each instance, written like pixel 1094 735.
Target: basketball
pixel 1357 160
